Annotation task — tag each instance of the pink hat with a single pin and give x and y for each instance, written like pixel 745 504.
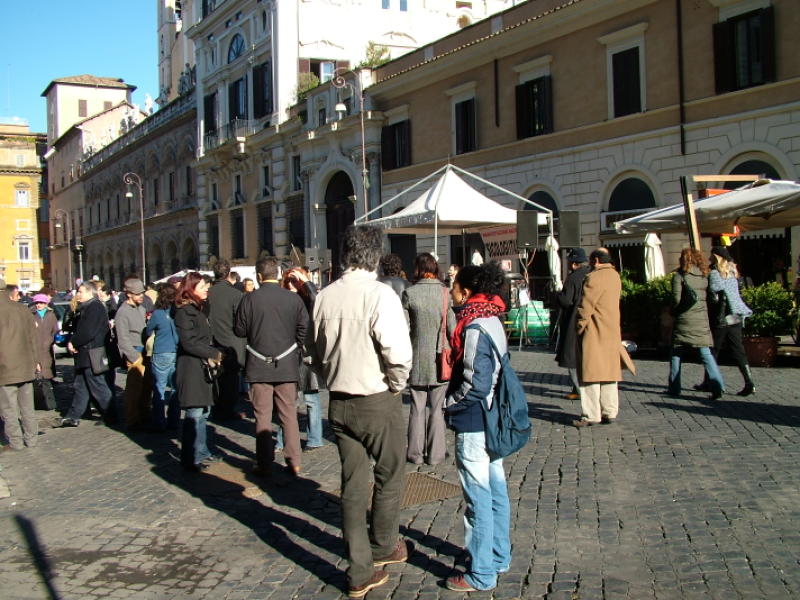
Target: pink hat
pixel 41 298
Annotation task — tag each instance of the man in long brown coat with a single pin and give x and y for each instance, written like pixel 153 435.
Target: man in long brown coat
pixel 600 342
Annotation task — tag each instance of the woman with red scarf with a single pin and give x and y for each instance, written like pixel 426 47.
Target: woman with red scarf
pixel 483 481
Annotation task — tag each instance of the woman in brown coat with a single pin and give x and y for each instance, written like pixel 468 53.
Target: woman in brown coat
pixel 46 330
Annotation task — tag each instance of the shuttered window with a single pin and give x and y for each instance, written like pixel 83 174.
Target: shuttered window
pixel 237 99
pixel 237 234
pixel 210 112
pixel 744 50
pixel 466 126
pixel 396 145
pixel 265 227
pixel 262 90
pixel 534 107
pixel 626 82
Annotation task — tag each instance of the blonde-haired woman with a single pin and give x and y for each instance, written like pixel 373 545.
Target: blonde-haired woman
pixel 731 311
pixel 691 328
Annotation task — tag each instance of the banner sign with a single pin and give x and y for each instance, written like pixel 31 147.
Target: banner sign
pixel 501 243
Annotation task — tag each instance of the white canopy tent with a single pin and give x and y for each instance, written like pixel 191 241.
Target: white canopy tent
pixel 764 204
pixel 450 206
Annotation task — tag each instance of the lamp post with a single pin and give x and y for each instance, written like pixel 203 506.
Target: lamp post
pixel 62 214
pixel 340 82
pixel 131 179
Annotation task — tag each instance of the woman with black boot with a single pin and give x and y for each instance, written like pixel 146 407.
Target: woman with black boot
pixel 723 281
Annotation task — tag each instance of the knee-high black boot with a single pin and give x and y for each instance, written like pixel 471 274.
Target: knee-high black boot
pixel 749 386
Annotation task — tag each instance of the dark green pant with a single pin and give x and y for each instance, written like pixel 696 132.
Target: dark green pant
pixel 369 427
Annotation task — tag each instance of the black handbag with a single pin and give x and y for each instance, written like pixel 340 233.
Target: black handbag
pixel 688 297
pixel 43 396
pixel 98 359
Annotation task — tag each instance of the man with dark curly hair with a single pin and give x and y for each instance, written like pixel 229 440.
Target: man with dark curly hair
pixel 364 349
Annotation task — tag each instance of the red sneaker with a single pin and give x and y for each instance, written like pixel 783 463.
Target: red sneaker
pixel 457 583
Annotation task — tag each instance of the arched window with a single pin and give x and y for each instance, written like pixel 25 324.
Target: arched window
pixel 543 199
pixel 631 194
pixel 236 49
pixel 752 167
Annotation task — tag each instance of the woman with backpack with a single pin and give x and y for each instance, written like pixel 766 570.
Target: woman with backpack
pixel 691 329
pixel 476 366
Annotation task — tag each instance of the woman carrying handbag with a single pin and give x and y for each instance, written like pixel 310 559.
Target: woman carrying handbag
pixel 196 356
pixel 431 321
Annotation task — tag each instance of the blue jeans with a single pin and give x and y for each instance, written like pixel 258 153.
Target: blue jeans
pixel 194 446
pixel 712 370
pixel 163 369
pixel 487 519
pixel 314 411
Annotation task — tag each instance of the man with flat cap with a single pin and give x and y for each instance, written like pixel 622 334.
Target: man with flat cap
pixel 568 299
pixel 130 323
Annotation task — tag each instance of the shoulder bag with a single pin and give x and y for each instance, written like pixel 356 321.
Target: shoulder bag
pixel 444 368
pixel 688 297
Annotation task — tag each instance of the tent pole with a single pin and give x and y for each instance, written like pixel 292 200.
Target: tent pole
pixel 463 247
pixel 691 218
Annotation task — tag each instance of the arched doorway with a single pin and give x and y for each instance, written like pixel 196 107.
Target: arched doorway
pixel 761 256
pixel 339 214
pixel 630 196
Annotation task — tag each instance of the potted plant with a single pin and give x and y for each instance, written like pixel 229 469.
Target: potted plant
pixel 773 315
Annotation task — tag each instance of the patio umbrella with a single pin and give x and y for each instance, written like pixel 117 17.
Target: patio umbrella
pixel 653 258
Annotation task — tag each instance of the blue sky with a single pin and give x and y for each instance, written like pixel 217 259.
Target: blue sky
pixel 46 39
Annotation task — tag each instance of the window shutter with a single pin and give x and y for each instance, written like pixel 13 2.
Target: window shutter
pixel 524 103
pixel 267 75
pixel 388 158
pixel 627 86
pixel 232 103
pixel 546 95
pixel 209 113
pixel 723 57
pixel 258 91
pixel 405 134
pixel 768 44
pixel 472 124
pixel 460 128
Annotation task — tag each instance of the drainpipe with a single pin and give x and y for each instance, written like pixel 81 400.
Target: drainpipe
pixel 681 86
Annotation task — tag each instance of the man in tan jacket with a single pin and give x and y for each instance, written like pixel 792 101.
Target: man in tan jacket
pixel 600 342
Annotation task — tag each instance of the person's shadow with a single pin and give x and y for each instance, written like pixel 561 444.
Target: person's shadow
pixel 274 526
pixel 758 412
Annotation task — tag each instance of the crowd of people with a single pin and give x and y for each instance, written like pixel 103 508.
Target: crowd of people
pixel 198 346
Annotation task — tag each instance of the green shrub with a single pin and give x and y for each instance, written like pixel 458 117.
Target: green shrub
pixel 641 306
pixel 773 310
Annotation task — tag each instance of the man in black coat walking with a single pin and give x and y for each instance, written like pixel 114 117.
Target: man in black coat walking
pixel 568 299
pixel 223 301
pixel 274 321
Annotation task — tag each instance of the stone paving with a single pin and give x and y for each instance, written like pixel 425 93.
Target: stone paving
pixel 680 498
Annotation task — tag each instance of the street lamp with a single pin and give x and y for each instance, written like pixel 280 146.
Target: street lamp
pixel 339 82
pixel 61 213
pixel 131 179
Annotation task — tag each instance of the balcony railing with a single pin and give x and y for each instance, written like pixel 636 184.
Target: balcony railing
pixel 237 128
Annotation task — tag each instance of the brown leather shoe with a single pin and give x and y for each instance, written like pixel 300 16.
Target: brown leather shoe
pixel 573 396
pixel 402 549
pixel 606 420
pixel 582 423
pixel 378 578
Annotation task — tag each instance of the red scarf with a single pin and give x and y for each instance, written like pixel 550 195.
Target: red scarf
pixel 478 306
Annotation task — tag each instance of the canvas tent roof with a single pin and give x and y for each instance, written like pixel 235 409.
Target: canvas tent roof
pixel 764 204
pixel 449 207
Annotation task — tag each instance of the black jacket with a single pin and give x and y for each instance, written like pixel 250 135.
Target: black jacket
pixel 272 319
pixel 223 300
pixel 568 299
pixel 90 330
pixel 194 333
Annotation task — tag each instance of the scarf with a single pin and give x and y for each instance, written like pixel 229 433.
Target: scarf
pixel 478 306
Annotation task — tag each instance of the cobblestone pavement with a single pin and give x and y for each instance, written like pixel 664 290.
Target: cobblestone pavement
pixel 681 498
